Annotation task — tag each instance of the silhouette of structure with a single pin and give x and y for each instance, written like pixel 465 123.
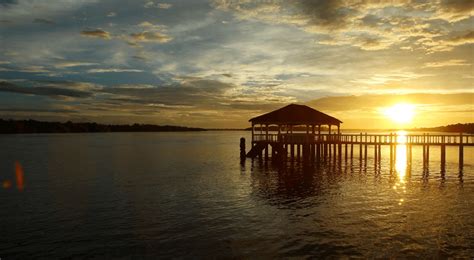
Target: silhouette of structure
pixel 294 132
pixel 289 134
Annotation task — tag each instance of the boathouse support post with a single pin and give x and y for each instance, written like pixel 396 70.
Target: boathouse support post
pixel 253 129
pixel 313 145
pixel 266 142
pixel 339 143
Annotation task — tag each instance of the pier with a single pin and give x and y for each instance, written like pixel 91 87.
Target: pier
pixel 296 133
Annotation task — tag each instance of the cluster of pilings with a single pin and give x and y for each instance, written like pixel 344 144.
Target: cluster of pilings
pixel 316 152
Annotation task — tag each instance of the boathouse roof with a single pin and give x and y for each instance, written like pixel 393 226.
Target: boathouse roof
pixel 294 114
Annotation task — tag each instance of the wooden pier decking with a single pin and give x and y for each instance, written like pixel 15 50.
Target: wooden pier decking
pixel 315 147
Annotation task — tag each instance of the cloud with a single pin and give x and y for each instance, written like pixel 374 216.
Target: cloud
pixel 151 4
pixel 97 33
pixel 164 5
pixel 372 102
pixel 21 10
pixel 151 26
pixel 27 69
pixel 112 70
pixel 455 10
pixel 453 62
pixel 36 110
pixel 467 37
pixel 147 36
pixel 44 21
pixel 43 90
pixel 70 64
pixel 6 3
pixel 447 43
pixel 368 25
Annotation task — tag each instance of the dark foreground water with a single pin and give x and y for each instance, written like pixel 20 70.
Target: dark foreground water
pixel 186 195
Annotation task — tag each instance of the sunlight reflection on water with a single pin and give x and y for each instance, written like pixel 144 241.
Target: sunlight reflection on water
pixel 401 165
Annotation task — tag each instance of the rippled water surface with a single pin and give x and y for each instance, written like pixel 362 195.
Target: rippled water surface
pixel 187 195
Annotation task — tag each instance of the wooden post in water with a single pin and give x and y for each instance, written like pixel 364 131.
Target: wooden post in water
pixel 325 150
pixel 306 148
pixel 339 144
pixel 345 152
pixel 424 156
pixel 461 152
pixel 292 151
pixel 380 152
pixel 395 149
pixel 266 151
pixel 352 148
pixel 427 148
pixel 360 147
pixel 443 156
pixel 298 152
pixel 409 151
pixel 365 150
pixel 391 150
pixel 242 148
pixel 375 150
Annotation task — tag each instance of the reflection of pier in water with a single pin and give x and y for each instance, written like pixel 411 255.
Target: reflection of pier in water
pixel 289 134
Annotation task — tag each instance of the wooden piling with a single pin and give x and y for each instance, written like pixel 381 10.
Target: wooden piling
pixel 298 154
pixel 313 147
pixel 345 152
pixel 461 152
pixel 292 151
pixel 443 157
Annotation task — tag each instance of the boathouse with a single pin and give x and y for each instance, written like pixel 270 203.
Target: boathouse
pixel 294 126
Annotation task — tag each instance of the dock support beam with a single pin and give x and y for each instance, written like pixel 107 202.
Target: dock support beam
pixel 461 152
pixel 443 157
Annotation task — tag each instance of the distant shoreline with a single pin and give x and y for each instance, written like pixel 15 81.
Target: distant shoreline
pixel 43 127
pixel 11 126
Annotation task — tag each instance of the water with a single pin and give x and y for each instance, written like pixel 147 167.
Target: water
pixel 187 195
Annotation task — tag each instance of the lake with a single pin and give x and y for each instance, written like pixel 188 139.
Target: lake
pixel 186 195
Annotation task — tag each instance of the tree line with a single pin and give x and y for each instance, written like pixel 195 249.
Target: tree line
pixel 33 126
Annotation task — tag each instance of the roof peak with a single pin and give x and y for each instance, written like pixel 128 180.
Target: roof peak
pixel 296 114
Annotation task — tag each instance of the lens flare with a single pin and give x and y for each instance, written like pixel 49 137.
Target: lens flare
pixel 19 176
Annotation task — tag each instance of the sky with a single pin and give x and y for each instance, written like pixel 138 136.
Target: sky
pixel 217 63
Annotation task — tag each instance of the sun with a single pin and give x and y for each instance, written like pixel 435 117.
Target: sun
pixel 400 113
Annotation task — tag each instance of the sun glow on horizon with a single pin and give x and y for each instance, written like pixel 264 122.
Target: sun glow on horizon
pixel 400 113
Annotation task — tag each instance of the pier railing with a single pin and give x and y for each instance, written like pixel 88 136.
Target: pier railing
pixel 368 139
